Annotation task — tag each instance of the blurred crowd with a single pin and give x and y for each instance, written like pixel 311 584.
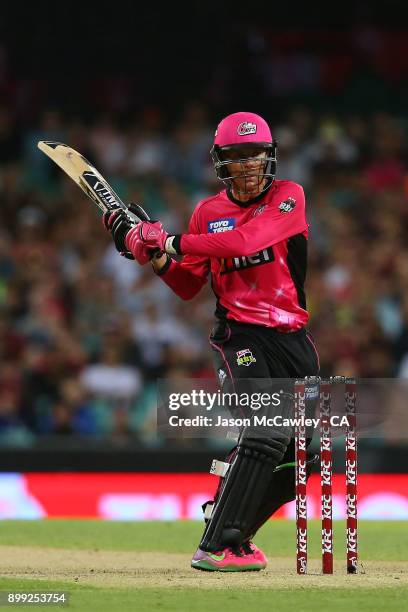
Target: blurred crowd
pixel 85 333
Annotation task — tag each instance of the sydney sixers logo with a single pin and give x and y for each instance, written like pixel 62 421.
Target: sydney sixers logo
pixel 245 128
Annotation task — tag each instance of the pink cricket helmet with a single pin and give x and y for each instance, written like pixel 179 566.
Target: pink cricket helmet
pixel 243 130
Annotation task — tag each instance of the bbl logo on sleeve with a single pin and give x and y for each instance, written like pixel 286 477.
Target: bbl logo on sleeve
pixel 220 225
pixel 287 205
pixel 245 357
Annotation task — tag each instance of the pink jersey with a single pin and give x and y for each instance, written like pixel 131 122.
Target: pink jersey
pixel 256 253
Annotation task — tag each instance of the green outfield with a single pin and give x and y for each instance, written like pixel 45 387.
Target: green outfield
pixel 145 566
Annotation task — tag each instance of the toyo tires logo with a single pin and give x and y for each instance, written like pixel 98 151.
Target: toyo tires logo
pixel 220 225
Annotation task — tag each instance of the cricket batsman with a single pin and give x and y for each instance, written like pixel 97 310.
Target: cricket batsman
pixel 252 238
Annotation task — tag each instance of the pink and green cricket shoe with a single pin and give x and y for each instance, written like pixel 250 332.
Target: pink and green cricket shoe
pixel 248 558
pixel 251 548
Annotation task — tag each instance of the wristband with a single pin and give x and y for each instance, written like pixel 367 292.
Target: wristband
pixel 173 245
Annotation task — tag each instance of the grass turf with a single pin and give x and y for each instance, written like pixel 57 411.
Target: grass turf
pixel 377 541
pixel 228 600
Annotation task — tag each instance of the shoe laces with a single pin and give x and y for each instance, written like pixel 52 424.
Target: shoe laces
pixel 237 551
pixel 246 547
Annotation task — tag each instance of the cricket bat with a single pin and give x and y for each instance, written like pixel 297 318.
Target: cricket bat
pixel 87 177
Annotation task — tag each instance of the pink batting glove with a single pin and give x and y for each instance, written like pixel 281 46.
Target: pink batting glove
pixel 136 246
pixel 153 234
